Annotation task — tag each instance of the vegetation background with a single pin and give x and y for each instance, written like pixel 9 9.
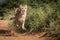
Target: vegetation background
pixel 42 15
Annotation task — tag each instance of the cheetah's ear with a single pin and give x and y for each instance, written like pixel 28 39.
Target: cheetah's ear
pixel 26 6
pixel 20 6
pixel 23 6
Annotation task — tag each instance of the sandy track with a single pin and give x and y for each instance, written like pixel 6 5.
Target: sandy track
pixel 18 38
pixel 26 37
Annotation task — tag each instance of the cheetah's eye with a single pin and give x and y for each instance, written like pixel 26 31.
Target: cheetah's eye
pixel 25 8
pixel 21 8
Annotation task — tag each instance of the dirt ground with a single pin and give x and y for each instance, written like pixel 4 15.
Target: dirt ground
pixel 25 36
pixel 4 25
pixel 19 37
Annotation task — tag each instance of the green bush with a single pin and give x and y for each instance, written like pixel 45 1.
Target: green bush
pixel 44 18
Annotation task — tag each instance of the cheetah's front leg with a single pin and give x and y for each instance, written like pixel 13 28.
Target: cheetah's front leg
pixel 23 27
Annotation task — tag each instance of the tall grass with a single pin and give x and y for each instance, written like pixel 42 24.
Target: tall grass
pixel 44 18
pixel 8 15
